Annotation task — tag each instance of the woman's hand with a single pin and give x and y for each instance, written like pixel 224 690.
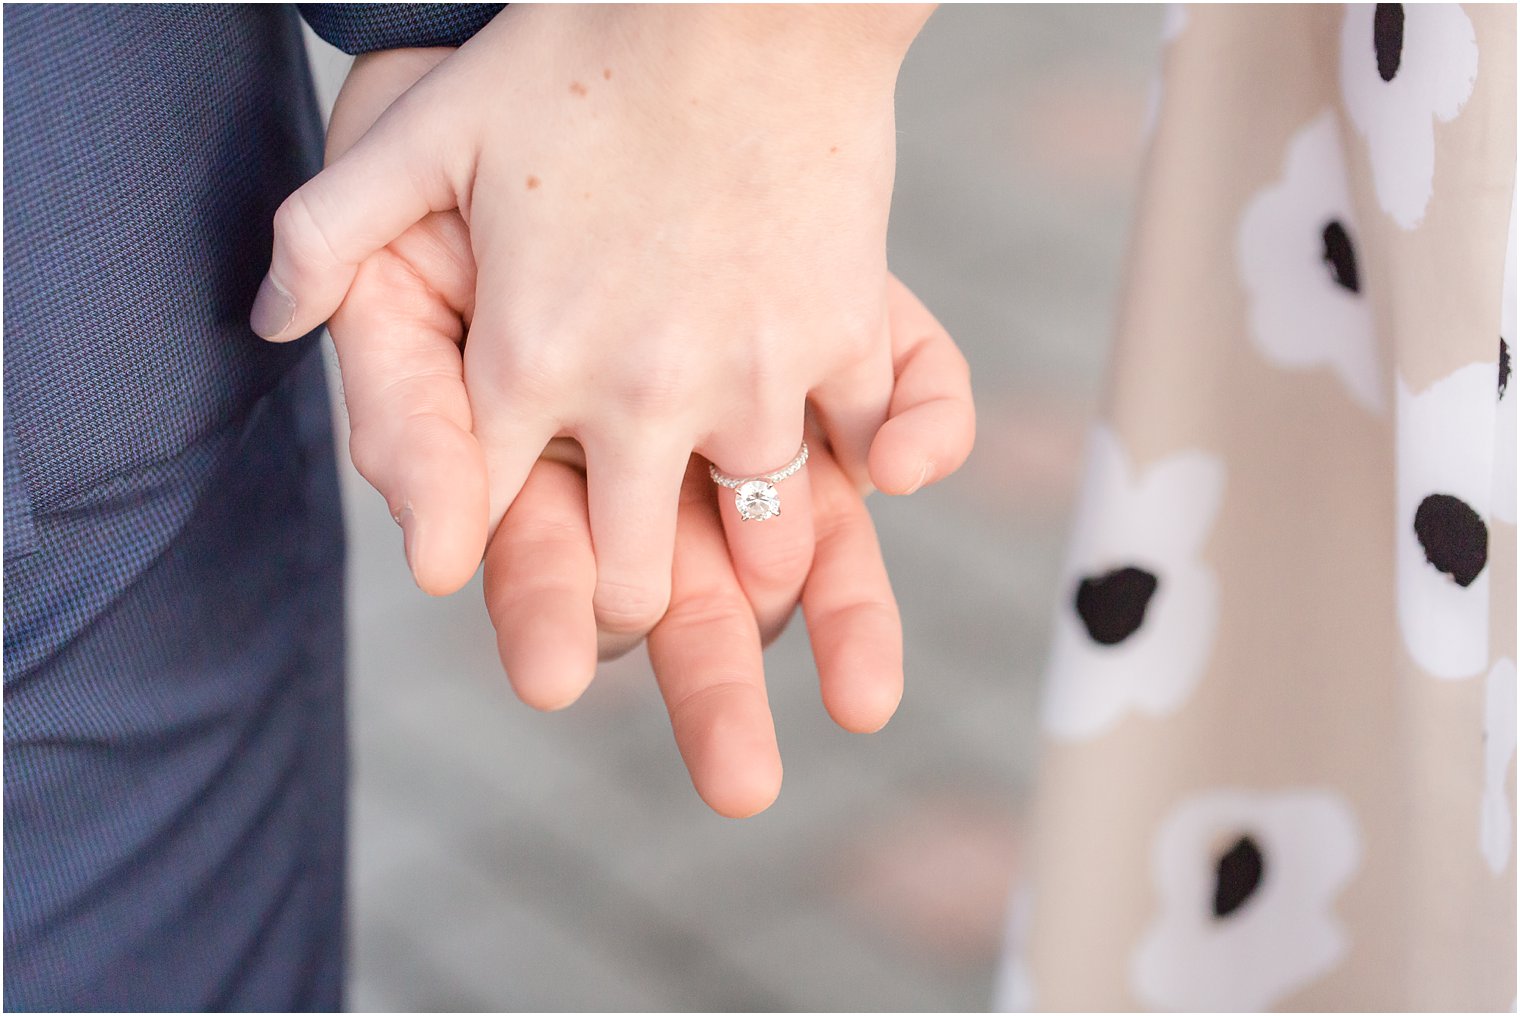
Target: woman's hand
pixel 678 218
pixel 398 336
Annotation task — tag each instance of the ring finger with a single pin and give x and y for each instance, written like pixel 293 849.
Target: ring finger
pixel 771 553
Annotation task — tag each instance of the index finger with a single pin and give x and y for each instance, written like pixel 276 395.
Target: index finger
pixel 411 436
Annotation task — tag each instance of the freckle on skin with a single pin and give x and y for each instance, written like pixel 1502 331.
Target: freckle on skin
pixel 606 73
pixel 833 149
pixel 533 183
pixel 576 88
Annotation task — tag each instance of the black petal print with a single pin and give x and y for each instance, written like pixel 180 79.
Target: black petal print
pixel 1455 538
pixel 1388 38
pixel 1237 875
pixel 1340 256
pixel 1503 366
pixel 1112 606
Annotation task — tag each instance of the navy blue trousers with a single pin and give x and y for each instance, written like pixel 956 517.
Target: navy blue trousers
pixel 174 728
pixel 174 760
pixel 174 775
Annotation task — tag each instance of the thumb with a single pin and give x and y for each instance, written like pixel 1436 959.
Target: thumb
pixel 389 180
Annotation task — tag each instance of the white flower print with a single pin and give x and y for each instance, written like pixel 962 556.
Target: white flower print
pixel 1299 262
pixel 1445 482
pixel 1136 627
pixel 1404 66
pixel 1496 823
pixel 1247 885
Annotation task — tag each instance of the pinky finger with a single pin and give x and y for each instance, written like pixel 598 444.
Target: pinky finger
pixel 932 422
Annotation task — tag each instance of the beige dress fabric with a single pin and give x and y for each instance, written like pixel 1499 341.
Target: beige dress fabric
pixel 1280 715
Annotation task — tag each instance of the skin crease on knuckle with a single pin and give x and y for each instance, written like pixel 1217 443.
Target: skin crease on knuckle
pixel 511 593
pixel 517 373
pixel 699 700
pixel 860 334
pixel 298 227
pixel 656 394
pixel 700 608
pixel 780 563
pixel 624 608
pixel 380 450
pixel 422 277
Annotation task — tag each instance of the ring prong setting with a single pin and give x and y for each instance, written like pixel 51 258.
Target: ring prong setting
pixel 757 500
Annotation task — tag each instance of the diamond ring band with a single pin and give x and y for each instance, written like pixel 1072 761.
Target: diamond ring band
pixel 756 496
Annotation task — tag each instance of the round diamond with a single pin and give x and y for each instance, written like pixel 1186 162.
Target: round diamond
pixel 757 500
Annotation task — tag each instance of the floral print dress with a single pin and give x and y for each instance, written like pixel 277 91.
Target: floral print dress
pixel 1280 719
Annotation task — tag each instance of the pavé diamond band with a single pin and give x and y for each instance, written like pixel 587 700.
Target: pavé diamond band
pixel 755 496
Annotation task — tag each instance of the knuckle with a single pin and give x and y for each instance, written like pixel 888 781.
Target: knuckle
pixel 772 376
pixel 559 537
pixel 695 702
pixel 781 564
pixel 298 226
pixel 627 608
pixel 430 407
pixel 869 615
pixel 839 514
pixel 370 452
pixel 857 333
pixel 656 389
pixel 527 370
pixel 423 431
pixel 702 608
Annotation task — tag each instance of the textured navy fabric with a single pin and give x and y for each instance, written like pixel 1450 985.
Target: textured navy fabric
pixel 174 740
pixel 362 28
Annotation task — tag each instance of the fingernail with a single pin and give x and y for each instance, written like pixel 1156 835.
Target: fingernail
pixel 923 477
pixel 273 309
pixel 408 523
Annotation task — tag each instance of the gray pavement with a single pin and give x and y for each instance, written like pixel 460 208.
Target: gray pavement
pixel 507 860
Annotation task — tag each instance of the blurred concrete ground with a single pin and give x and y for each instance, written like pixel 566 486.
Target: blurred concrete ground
pixel 504 859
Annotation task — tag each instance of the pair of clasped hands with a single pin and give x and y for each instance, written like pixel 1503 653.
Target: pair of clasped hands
pixel 570 263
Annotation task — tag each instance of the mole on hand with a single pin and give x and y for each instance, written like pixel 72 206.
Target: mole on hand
pixel 533 183
pixel 576 88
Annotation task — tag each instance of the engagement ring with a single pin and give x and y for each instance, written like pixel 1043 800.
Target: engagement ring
pixel 756 496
